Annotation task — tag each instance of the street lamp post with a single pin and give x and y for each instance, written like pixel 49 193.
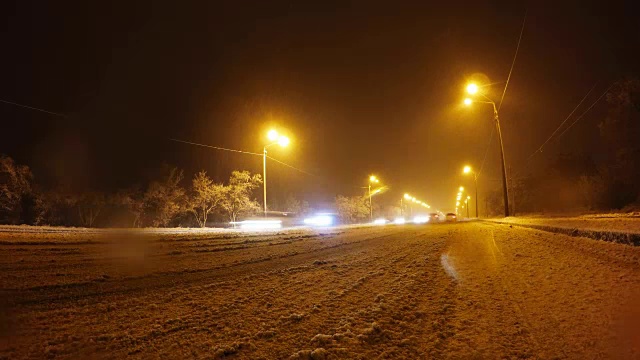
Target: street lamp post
pixel 468 169
pixel 473 89
pixel 372 179
pixel 276 139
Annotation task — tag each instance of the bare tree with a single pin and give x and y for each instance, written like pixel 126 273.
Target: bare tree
pixel 205 198
pixel 15 184
pixel 237 199
pixel 292 205
pixel 163 200
pixel 132 200
pixel 89 207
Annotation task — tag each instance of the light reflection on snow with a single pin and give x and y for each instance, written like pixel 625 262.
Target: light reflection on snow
pixel 448 267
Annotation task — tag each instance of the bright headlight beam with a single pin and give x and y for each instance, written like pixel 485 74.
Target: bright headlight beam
pixel 319 220
pixel 379 221
pixel 259 224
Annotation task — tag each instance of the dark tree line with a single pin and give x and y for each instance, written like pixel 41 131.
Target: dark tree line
pixel 576 181
pixel 163 202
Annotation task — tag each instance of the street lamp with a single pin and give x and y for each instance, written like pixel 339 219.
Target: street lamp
pixel 468 170
pixel 372 180
pixel 472 89
pixel 275 139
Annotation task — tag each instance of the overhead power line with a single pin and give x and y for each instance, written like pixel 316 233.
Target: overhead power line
pixel 565 120
pixel 514 61
pixel 216 147
pixel 539 150
pixel 293 167
pixel 242 152
pixel 32 108
pixel 586 111
pixel 493 129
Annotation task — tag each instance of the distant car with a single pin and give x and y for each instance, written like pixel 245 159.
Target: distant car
pixel 451 217
pixel 434 217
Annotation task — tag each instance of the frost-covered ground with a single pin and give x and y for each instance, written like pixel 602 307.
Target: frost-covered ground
pixel 466 290
pixel 593 222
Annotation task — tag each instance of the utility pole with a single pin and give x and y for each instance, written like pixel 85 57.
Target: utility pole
pixel 264 179
pixel 370 207
pixel 505 194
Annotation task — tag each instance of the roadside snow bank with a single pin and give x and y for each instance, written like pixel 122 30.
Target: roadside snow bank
pixel 622 230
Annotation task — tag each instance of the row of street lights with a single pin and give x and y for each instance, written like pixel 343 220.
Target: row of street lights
pixel 459 198
pixel 472 89
pixel 412 199
pixel 468 170
pixel 276 138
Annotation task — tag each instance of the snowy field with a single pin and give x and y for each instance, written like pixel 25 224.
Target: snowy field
pixel 601 222
pixel 466 290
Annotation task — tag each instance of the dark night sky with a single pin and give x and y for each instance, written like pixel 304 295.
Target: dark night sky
pixel 362 87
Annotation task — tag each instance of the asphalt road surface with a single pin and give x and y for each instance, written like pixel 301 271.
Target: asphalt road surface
pixel 460 291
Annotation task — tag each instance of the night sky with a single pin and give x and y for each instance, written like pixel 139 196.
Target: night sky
pixel 361 87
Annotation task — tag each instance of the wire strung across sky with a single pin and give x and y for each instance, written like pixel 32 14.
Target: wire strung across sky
pixel 539 150
pixel 589 108
pixel 514 60
pixel 563 122
pixel 242 152
pixel 33 108
pixel 493 129
pixel 513 63
pixel 215 147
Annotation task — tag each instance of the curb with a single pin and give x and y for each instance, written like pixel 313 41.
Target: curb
pixel 617 237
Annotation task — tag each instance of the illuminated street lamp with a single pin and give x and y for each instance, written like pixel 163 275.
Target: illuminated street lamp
pixel 275 139
pixel 372 180
pixel 472 89
pixel 468 170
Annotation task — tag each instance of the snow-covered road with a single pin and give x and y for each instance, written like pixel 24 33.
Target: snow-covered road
pixel 467 290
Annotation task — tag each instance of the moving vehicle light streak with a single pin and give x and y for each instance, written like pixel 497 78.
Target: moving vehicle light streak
pixel 421 219
pixel 319 220
pixel 258 224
